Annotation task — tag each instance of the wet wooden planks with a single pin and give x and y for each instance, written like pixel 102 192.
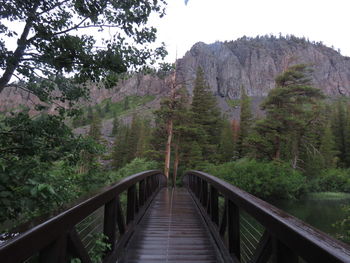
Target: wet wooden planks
pixel 171 231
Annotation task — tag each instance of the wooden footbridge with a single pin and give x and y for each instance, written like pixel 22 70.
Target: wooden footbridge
pixel 208 220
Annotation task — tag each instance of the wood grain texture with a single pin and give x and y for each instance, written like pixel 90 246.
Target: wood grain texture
pixel 171 231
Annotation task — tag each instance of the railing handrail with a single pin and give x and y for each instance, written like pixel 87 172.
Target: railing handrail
pixel 304 239
pixel 43 234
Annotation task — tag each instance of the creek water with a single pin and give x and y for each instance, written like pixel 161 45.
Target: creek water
pixel 319 210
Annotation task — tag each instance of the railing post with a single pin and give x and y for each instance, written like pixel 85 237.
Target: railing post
pixel 204 193
pixel 214 205
pixel 233 229
pixel 198 184
pixel 142 192
pixel 120 217
pixel 282 253
pixel 131 204
pixel 110 221
pixel 55 252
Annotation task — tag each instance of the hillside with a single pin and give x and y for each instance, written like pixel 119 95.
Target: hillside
pixel 251 62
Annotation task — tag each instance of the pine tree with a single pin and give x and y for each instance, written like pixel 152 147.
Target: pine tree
pixel 95 128
pixel 227 145
pixel 126 103
pixel 90 115
pixel 246 119
pixel 290 108
pixel 327 147
pixel 116 126
pixel 205 117
pixel 339 127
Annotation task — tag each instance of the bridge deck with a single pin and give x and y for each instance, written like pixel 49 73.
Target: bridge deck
pixel 171 231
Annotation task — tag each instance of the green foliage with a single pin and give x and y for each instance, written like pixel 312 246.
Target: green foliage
pixel 99 249
pixel 49 45
pixel 205 119
pixel 332 180
pixel 344 225
pixel 227 147
pixel 267 180
pixel 131 142
pixel 292 109
pixel 246 119
pixel 135 166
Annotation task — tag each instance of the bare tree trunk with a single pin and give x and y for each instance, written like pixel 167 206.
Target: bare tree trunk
pixel 168 148
pixel 176 163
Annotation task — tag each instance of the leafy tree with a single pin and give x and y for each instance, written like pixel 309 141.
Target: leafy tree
pixel 30 149
pixel 58 38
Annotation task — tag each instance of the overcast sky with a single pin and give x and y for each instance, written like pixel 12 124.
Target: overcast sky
pixel 212 20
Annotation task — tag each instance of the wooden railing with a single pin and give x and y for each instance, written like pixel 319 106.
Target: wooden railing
pixel 247 229
pixel 57 239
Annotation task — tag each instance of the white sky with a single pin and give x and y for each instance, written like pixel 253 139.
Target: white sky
pixel 212 20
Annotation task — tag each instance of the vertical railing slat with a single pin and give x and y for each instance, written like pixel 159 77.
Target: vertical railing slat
pixel 131 202
pixel 110 221
pixel 233 229
pixel 282 253
pixel 214 205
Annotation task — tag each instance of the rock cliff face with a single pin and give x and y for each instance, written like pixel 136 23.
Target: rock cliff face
pixel 251 62
pixel 254 63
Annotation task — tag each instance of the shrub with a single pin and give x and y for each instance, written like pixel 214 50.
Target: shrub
pixel 332 180
pixel 135 166
pixel 266 180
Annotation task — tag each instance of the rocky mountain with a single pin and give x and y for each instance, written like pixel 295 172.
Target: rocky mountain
pixel 251 62
pixel 255 62
pixel 138 84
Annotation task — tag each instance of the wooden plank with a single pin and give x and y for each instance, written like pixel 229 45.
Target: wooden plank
pixel 171 230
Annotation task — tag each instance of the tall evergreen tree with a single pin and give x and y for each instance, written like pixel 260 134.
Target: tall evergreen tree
pixel 246 119
pixel 327 147
pixel 339 127
pixel 227 144
pixel 290 108
pixel 116 125
pixel 206 117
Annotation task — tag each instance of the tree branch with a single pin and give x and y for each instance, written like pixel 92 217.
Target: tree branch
pixel 13 62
